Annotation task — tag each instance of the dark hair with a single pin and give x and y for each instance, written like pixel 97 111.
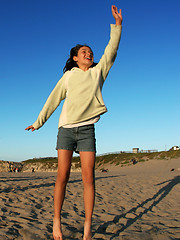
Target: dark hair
pixel 74 52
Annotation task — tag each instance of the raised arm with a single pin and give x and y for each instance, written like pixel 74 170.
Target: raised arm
pixel 110 52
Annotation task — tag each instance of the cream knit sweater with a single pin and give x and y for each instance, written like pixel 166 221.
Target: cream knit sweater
pixel 81 89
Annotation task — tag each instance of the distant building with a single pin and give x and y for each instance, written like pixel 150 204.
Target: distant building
pixel 135 150
pixel 175 148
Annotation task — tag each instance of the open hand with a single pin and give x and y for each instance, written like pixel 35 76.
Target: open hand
pixel 117 15
pixel 30 128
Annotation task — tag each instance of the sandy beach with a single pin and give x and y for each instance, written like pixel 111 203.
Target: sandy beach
pixel 136 202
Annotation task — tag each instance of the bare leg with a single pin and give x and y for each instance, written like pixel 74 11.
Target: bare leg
pixel 64 166
pixel 87 165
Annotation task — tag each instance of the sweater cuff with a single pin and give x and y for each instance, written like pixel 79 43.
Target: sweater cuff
pixel 114 26
pixel 36 125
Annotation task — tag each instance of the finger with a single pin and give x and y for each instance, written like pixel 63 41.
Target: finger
pixel 30 128
pixel 120 11
pixel 114 9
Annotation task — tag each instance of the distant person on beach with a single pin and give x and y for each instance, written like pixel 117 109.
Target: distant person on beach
pixel 81 87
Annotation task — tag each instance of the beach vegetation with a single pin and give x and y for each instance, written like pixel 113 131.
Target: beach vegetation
pixel 117 159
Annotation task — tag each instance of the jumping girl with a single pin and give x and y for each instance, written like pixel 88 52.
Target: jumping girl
pixel 81 87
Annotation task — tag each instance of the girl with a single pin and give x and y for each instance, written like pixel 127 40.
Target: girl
pixel 81 87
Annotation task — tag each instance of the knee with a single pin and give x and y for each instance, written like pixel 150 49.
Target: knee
pixel 63 178
pixel 88 179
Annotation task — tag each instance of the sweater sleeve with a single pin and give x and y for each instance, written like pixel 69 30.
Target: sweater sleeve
pixel 53 101
pixel 110 52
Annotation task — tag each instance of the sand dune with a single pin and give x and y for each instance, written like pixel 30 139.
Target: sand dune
pixel 137 202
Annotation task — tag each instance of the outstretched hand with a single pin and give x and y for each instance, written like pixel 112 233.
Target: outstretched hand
pixel 117 15
pixel 30 128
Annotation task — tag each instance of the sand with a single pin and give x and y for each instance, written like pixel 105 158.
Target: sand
pixel 136 202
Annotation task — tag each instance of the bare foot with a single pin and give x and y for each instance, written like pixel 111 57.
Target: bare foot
pixel 57 233
pixel 87 231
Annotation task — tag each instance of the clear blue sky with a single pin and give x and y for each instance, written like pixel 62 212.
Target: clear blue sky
pixel 142 91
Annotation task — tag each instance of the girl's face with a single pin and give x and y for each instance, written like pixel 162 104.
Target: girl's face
pixel 84 58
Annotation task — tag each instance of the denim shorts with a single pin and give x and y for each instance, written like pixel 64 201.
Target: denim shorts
pixel 78 139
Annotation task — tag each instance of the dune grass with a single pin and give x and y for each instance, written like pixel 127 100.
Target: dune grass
pixel 113 158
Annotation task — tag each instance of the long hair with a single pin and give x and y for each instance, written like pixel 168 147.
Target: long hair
pixel 70 63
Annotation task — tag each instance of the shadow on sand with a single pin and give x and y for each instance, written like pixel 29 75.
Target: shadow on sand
pixel 161 194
